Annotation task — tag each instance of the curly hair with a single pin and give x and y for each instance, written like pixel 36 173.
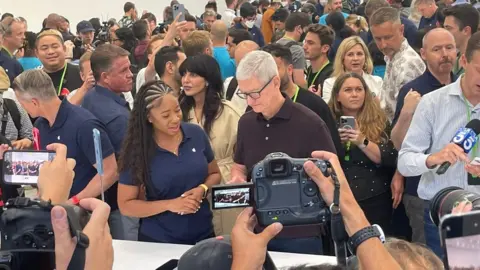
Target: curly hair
pixel 206 67
pixel 139 144
pixel 371 119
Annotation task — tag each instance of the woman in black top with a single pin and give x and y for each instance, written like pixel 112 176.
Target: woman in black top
pixel 370 157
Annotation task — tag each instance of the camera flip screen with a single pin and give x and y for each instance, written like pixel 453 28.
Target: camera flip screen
pixel 22 167
pixel 231 197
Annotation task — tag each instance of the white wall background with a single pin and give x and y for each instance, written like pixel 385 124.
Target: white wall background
pixel 36 10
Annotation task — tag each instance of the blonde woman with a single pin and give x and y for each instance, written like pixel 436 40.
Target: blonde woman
pixel 353 56
pixel 370 158
pixel 359 24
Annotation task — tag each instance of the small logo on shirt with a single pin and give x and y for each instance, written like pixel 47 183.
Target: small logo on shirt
pixel 58 138
pixel 193 150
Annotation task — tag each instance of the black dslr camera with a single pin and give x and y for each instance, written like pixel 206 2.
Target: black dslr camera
pixel 26 227
pixel 282 192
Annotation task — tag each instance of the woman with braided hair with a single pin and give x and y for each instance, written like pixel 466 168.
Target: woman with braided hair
pixel 174 162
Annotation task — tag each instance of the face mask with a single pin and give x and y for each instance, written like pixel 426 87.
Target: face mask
pixel 250 24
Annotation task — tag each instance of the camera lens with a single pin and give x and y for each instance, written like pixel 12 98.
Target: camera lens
pixel 446 199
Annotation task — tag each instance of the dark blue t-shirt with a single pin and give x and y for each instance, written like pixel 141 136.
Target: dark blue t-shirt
pixel 73 127
pixel 170 177
pixel 112 110
pixel 423 84
pixel 256 34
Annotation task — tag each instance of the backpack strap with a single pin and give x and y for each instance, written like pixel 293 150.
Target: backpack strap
pixel 232 86
pixel 9 106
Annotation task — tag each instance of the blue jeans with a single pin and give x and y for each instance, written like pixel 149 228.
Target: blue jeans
pixel 432 234
pixel 308 245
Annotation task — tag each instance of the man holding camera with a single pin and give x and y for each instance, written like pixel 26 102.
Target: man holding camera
pixel 84 40
pixel 276 124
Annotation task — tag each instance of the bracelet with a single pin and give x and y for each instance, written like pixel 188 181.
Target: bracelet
pixel 205 188
pixel 75 200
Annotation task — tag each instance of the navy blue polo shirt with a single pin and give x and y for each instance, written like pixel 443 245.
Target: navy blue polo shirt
pixel 11 66
pixel 256 34
pixel 73 127
pixel 170 177
pixel 409 31
pixel 423 84
pixel 428 22
pixel 112 111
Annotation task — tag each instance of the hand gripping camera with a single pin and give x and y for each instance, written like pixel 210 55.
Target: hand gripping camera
pixel 282 192
pixel 27 227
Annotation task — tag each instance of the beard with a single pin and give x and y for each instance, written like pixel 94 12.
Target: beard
pixel 284 82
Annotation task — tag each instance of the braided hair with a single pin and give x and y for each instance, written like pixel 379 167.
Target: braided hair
pixel 139 145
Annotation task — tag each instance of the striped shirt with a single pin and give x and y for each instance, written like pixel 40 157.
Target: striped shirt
pixel 436 120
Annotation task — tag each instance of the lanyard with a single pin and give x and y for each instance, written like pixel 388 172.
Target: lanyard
pixel 61 80
pixel 318 72
pixel 294 99
pixel 347 151
pixel 469 116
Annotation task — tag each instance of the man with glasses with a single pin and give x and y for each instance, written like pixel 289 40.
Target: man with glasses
pixel 276 124
pixel 249 15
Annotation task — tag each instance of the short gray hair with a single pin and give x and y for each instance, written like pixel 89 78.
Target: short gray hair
pixel 257 64
pixel 385 14
pixel 7 25
pixel 34 83
pixel 209 13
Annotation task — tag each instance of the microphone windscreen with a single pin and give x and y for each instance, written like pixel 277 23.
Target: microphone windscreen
pixel 474 124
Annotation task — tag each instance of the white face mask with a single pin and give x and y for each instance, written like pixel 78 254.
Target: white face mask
pixel 250 24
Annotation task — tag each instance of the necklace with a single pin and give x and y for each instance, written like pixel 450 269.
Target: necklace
pixel 175 151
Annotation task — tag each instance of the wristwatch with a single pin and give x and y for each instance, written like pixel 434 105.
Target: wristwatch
pixel 364 234
pixel 364 144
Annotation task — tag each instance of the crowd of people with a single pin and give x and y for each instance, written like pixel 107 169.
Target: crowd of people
pixel 183 105
pixel 232 198
pixel 27 168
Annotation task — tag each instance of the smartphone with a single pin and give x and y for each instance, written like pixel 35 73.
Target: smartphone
pixel 460 236
pixel 21 167
pixel 99 159
pixel 177 8
pixel 347 122
pixel 232 196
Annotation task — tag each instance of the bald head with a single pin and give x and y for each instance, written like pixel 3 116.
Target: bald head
pixel 439 52
pixel 219 31
pixel 243 48
pixel 437 35
pixel 53 21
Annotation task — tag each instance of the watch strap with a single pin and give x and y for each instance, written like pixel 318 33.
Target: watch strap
pixel 363 235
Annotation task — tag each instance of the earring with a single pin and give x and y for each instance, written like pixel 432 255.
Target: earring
pixel 206 84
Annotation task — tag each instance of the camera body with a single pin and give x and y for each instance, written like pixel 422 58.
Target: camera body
pixel 27 225
pixel 284 193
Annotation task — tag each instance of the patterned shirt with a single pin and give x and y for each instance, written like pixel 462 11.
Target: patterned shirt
pixel 125 21
pixel 405 66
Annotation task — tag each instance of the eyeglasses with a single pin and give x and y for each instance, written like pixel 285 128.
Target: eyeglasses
pixel 255 94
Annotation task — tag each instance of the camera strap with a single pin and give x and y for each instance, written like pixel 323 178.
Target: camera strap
pixel 339 235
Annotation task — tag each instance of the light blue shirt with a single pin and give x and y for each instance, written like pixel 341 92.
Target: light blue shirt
pixel 436 120
pixel 227 64
pixel 323 19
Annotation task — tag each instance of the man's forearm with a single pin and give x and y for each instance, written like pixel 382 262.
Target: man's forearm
pixel 238 171
pixel 371 253
pixel 94 188
pixel 77 98
pixel 400 129
pixel 411 163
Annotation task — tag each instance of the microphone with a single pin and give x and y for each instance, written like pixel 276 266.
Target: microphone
pixel 466 138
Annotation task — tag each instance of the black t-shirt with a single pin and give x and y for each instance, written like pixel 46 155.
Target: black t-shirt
pixel 71 81
pixel 320 108
pixel 314 79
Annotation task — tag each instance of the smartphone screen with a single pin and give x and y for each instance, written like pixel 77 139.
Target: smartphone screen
pixel 232 196
pixel 22 167
pixel 461 240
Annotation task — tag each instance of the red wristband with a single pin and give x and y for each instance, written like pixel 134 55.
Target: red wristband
pixel 75 200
